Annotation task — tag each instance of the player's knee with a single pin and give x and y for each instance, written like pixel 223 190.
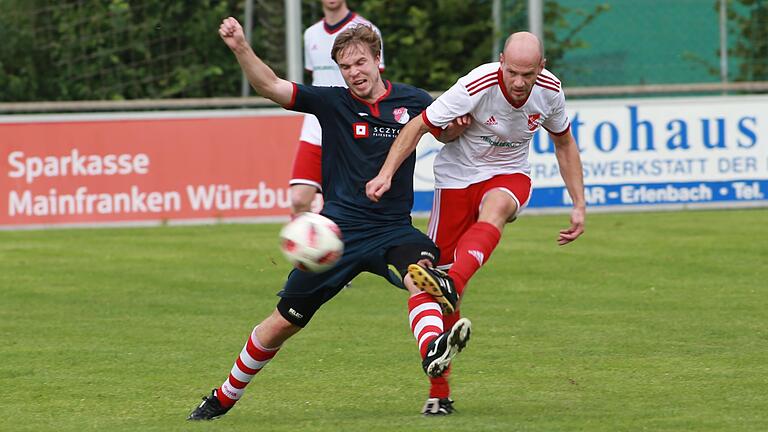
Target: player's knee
pixel 275 330
pixel 498 208
pixel 298 311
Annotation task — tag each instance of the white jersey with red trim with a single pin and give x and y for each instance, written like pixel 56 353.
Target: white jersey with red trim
pixel 318 42
pixel 498 140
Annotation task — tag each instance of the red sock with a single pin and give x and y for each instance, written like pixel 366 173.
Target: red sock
pixel 439 387
pixel 472 251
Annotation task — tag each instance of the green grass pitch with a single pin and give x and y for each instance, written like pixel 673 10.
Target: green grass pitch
pixel 651 321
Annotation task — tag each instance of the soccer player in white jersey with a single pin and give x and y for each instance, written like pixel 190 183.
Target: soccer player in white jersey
pixel 482 179
pixel 318 40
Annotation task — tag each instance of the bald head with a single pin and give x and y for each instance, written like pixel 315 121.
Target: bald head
pixel 521 62
pixel 524 48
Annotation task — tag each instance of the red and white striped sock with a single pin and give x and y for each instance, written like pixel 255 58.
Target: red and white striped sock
pixel 252 359
pixel 472 251
pixel 425 318
pixel 439 386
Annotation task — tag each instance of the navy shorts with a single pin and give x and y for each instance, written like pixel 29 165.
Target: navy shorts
pixel 365 249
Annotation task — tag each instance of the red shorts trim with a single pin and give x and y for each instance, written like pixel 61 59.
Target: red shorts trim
pixel 454 211
pixel 307 166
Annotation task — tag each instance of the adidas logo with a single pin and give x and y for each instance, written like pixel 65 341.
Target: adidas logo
pixel 479 256
pixel 491 121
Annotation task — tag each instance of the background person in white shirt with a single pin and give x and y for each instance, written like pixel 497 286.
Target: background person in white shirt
pixel 482 179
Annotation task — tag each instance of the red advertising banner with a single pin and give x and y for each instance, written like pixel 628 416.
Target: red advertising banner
pixel 140 168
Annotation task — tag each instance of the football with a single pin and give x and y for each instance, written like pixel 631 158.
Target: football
pixel 311 242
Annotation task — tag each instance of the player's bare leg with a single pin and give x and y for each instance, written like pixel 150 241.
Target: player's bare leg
pixel 498 208
pixel 275 330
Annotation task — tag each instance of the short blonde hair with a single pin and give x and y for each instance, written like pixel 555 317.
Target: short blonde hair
pixel 360 34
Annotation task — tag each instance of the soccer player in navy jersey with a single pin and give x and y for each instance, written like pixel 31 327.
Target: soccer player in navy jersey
pixel 359 125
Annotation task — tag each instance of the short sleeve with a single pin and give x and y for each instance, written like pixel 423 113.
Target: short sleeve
pixel 312 99
pixel 453 103
pixel 557 121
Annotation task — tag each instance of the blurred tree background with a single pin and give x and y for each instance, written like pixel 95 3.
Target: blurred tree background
pixel 151 49
pixel 114 49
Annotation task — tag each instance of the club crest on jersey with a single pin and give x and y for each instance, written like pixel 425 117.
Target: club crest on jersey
pixel 533 121
pixel 360 130
pixel 401 115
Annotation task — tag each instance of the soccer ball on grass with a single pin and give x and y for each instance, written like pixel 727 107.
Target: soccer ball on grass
pixel 311 242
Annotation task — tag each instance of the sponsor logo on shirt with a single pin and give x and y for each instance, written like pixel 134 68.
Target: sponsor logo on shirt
pixel 360 130
pixel 401 115
pixel 498 142
pixel 385 132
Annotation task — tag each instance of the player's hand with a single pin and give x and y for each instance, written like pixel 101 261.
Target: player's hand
pixel 231 33
pixel 576 229
pixel 375 188
pixel 455 128
pixel 426 262
pixel 462 122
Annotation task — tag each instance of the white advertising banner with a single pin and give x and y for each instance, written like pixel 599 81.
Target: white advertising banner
pixel 650 152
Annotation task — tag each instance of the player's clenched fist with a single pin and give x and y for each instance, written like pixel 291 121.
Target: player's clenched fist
pixel 375 188
pixel 231 33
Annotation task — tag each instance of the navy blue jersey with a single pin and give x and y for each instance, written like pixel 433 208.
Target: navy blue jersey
pixel 357 137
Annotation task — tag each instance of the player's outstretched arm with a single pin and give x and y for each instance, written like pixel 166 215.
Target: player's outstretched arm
pixel 261 77
pixel 404 145
pixel 569 160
